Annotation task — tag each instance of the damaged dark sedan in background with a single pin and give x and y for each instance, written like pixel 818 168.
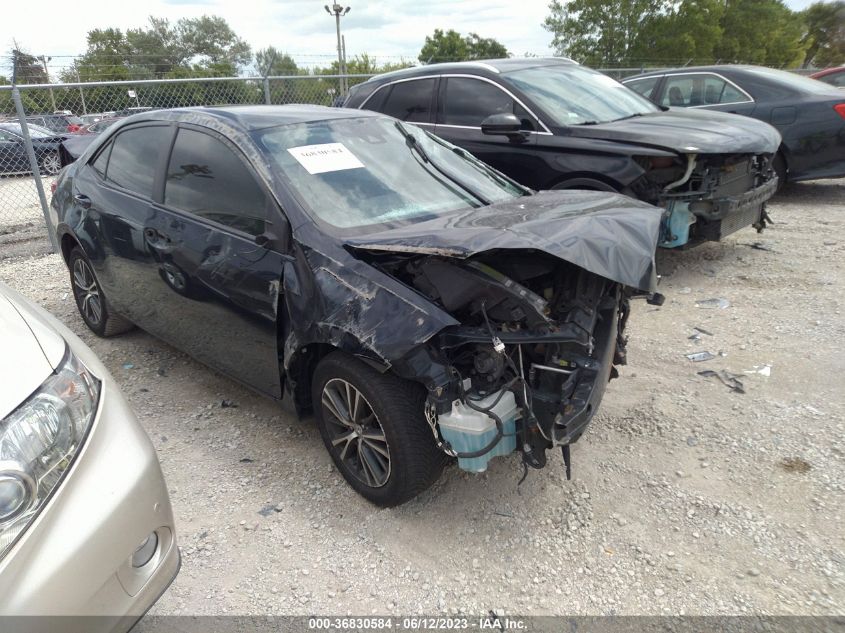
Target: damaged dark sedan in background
pixel 421 304
pixel 554 124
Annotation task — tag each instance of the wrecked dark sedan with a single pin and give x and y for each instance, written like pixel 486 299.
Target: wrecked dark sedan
pixel 419 303
pixel 554 124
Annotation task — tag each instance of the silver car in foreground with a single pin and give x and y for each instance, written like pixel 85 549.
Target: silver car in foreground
pixel 86 526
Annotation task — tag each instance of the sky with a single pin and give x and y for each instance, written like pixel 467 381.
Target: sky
pixel 387 29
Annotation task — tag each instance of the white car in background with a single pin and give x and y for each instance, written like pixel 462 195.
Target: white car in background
pixel 86 526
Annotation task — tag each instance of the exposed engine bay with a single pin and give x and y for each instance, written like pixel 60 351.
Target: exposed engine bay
pixel 707 196
pixel 528 364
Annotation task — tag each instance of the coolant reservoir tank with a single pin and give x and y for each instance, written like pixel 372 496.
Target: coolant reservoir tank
pixel 469 430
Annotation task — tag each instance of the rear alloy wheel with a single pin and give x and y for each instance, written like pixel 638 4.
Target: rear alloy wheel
pixel 90 300
pixel 374 429
pixel 50 164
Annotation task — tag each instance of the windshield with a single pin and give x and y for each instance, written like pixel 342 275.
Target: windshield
pixel 35 131
pixel 362 172
pixel 793 80
pixel 575 95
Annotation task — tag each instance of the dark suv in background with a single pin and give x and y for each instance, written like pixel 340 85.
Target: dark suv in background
pixel 554 124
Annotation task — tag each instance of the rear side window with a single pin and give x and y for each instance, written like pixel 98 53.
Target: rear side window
pixel 134 158
pixel 409 101
pixel 206 178
pixel 99 165
pixel 700 90
pixel 470 101
pixel 644 86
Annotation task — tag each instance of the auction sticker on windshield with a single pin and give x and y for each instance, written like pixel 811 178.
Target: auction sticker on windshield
pixel 326 157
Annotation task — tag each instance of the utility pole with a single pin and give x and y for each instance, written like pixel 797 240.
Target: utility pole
pixel 339 11
pixel 81 93
pixel 44 61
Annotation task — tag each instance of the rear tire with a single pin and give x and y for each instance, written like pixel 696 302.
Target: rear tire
pixel 779 165
pixel 90 299
pixel 380 443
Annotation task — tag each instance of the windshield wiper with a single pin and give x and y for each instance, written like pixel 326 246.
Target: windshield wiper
pixel 500 178
pixel 413 145
pixel 630 116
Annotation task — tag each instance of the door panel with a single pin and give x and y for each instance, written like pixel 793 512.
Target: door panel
pixel 215 295
pixel 220 289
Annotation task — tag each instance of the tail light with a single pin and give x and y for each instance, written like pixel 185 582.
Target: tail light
pixel 840 109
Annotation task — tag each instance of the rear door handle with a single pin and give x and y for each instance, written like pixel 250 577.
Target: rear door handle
pixel 82 200
pixel 156 238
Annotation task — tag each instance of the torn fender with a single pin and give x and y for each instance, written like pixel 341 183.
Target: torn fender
pixel 605 233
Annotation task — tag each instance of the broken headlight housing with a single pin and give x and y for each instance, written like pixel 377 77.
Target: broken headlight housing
pixel 38 442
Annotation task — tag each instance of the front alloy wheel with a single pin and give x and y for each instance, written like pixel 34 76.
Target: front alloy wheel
pixel 373 426
pixel 50 164
pixel 356 433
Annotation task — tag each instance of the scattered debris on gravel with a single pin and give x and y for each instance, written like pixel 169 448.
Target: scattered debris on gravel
pixel 688 497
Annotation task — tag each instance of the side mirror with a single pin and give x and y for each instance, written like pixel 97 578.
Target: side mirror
pixel 502 123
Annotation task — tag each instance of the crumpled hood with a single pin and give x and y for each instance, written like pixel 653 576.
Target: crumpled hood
pixel 75 146
pixel 689 132
pixel 606 233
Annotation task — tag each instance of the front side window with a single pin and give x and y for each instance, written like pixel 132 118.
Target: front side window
pixel 574 95
pixel 409 100
pixel 364 172
pixel 134 158
pixel 207 179
pixel 470 101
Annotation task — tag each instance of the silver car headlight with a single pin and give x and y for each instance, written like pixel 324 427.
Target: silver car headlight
pixel 38 442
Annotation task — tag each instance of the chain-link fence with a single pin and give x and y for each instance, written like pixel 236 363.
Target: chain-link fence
pixel 55 111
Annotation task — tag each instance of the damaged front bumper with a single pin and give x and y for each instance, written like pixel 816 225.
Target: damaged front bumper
pixel 719 206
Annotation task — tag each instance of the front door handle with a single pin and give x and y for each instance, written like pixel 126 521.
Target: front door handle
pixel 82 200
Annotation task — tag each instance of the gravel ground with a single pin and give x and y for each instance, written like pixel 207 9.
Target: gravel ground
pixel 687 497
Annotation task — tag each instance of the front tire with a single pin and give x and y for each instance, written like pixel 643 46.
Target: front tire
pixel 374 429
pixel 50 164
pixel 90 299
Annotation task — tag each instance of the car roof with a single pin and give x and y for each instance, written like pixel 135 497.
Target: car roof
pixel 495 66
pixel 691 69
pixel 252 117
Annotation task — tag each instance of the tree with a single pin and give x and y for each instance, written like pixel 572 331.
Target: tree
pixel 30 69
pixel 269 61
pixel 824 36
pixel 598 32
pixel 451 46
pixel 212 39
pixel 192 47
pixel 761 32
pixel 686 33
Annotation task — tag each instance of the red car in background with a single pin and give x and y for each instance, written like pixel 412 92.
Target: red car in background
pixel 833 76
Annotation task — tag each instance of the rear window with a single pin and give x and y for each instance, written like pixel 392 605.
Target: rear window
pixel 134 158
pixel 793 80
